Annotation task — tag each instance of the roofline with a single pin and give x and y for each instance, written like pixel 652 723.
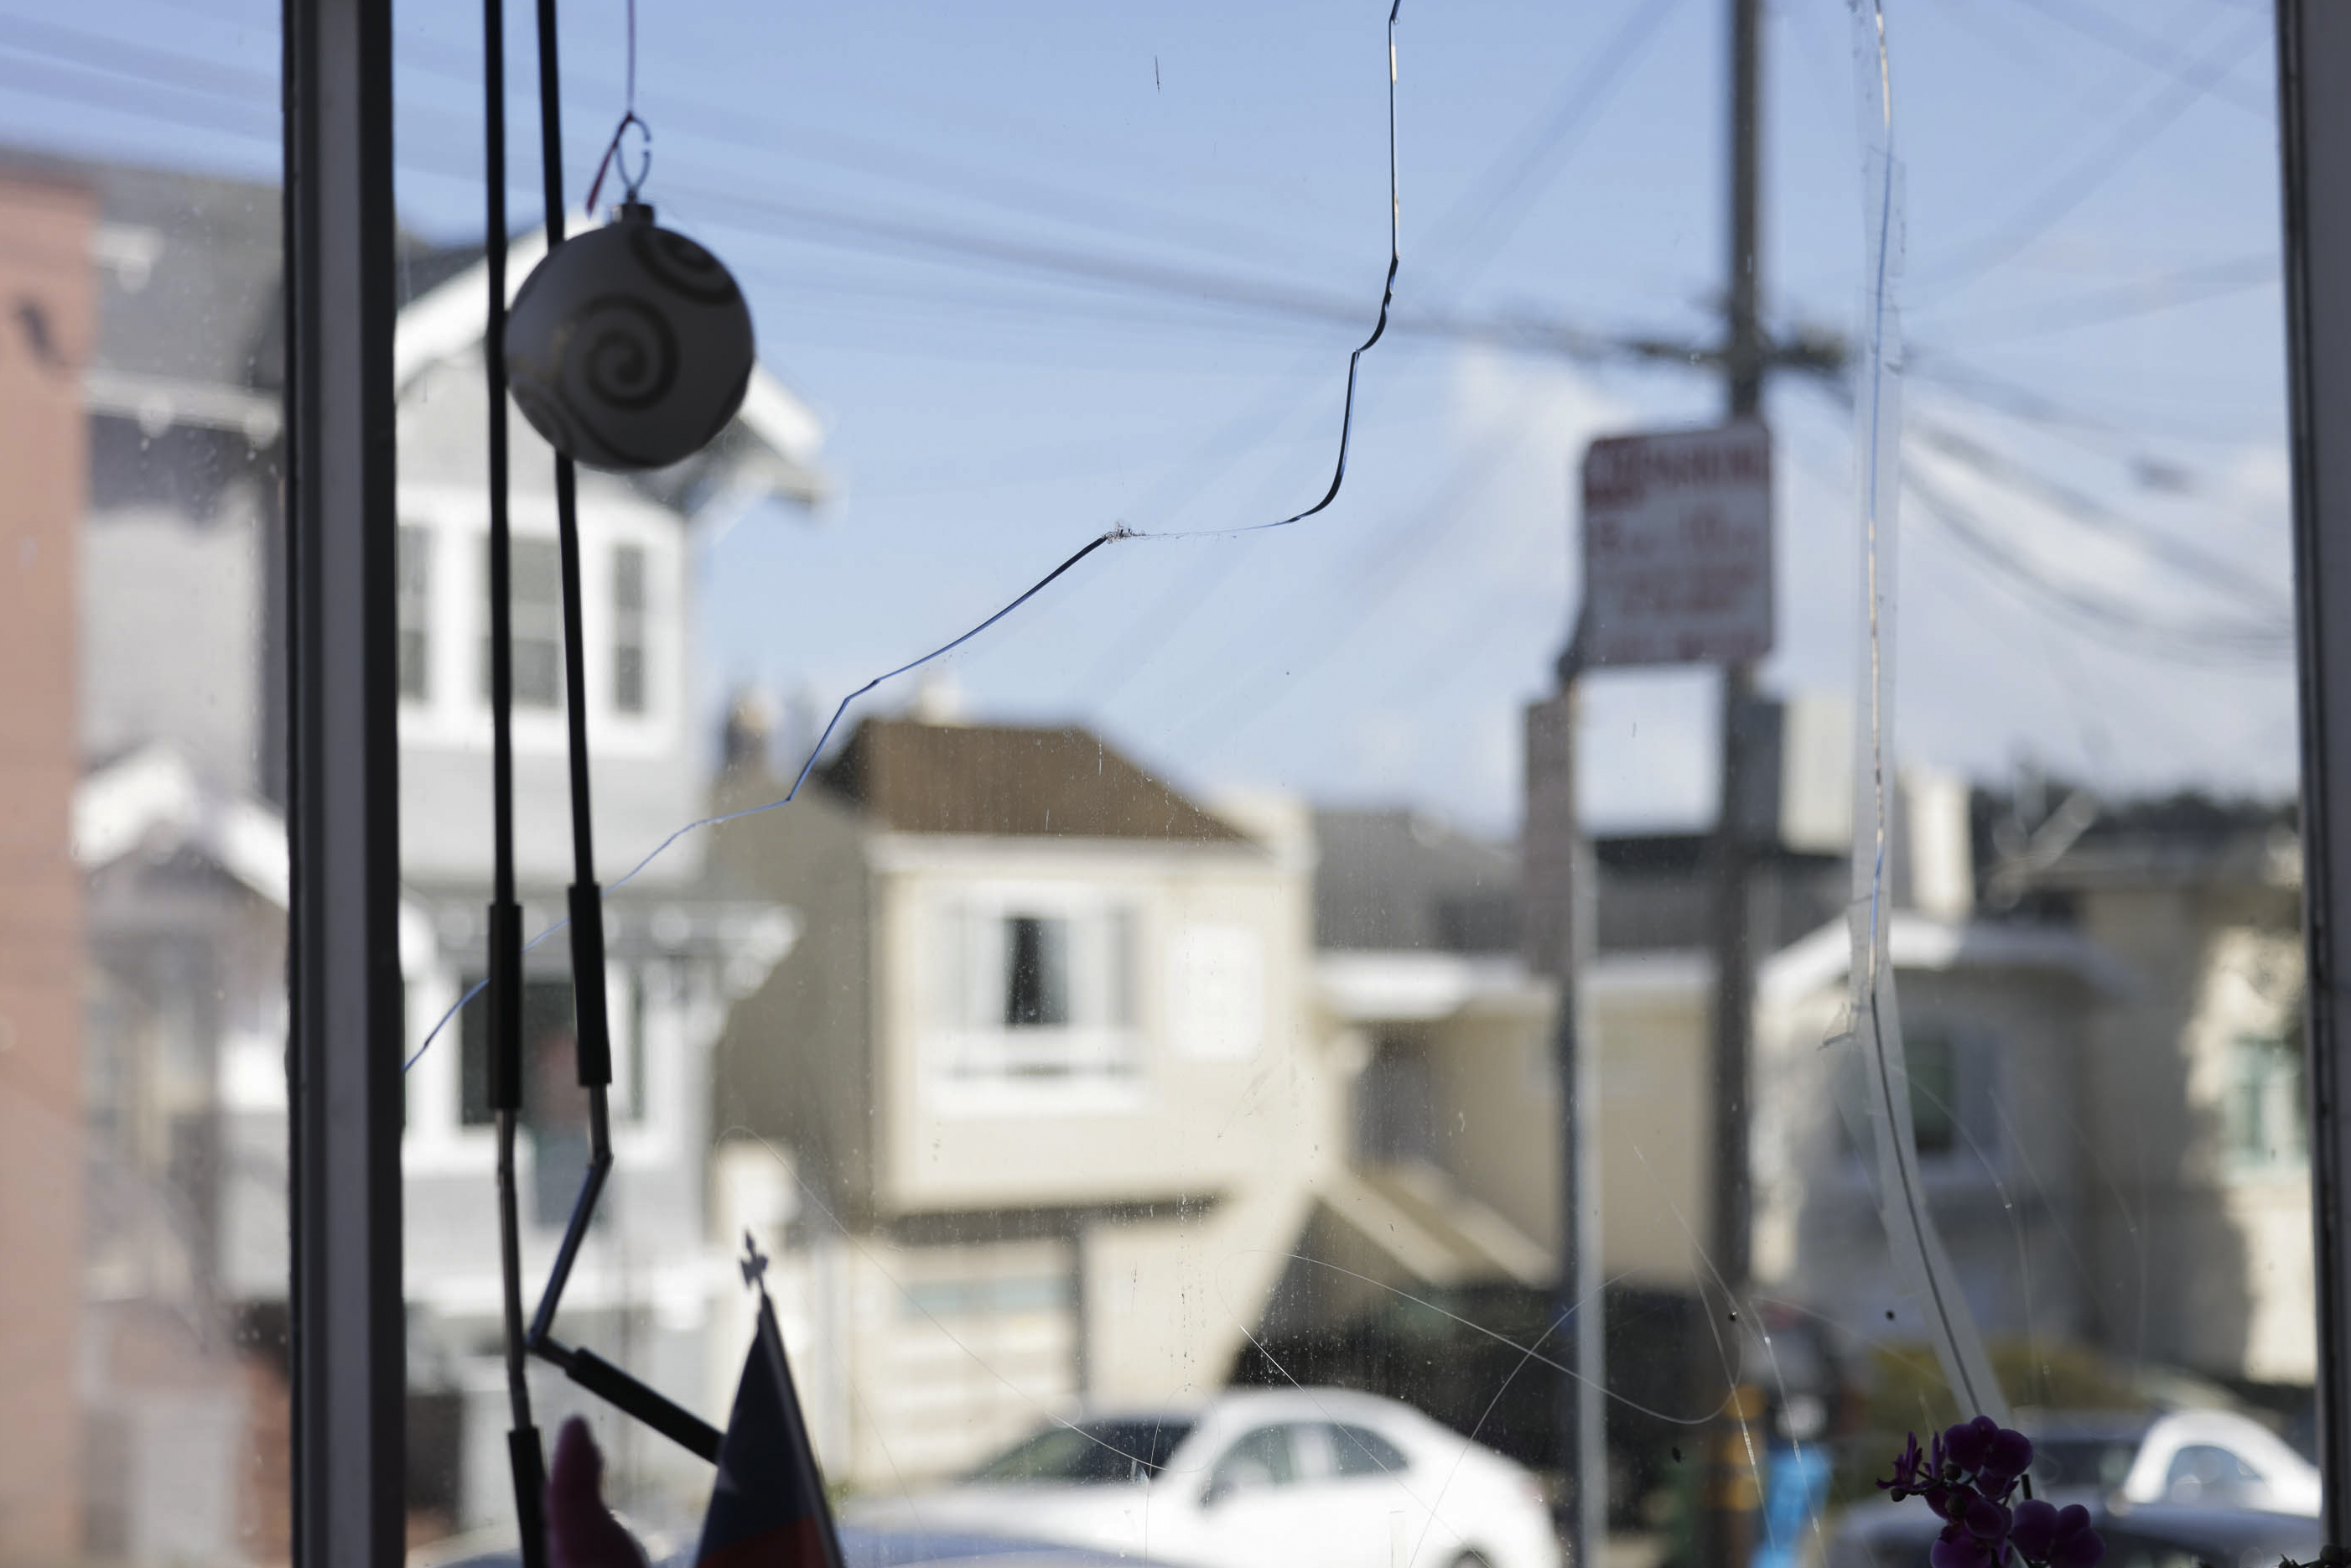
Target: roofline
pixel 451 318
pixel 1915 941
pixel 891 848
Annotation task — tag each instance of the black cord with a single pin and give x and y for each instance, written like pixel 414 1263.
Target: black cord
pixel 591 1024
pixel 523 1455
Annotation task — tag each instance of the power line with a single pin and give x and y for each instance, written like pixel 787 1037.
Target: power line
pixel 2142 296
pixel 2207 644
pixel 1407 540
pixel 2198 565
pixel 2059 196
pixel 1191 286
pixel 1543 150
pixel 1568 117
pixel 1940 368
pixel 2147 49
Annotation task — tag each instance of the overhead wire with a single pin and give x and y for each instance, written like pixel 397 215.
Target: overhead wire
pixel 2097 25
pixel 1502 190
pixel 1380 576
pixel 2266 636
pixel 2126 301
pixel 2206 643
pixel 2198 565
pixel 2059 196
pixel 193 80
pixel 1542 147
pixel 1112 535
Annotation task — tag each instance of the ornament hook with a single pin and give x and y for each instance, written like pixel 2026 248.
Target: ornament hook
pixel 616 160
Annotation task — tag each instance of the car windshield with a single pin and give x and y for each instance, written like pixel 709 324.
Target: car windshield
pixel 1089 1451
pixel 2100 1462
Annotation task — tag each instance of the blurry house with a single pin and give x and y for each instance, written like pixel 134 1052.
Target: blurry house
pixel 177 833
pixel 2197 1209
pixel 1451 1189
pixel 2103 1018
pixel 685 938
pixel 1996 1017
pixel 1422 990
pixel 1037 1093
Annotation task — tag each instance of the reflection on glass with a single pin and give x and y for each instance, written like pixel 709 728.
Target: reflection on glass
pixel 1170 1009
pixel 142 888
pixel 1089 1452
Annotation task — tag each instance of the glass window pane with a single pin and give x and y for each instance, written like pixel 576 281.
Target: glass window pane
pixel 629 607
pixel 1262 1458
pixel 413 586
pixel 1360 1451
pixel 537 625
pixel 143 1204
pixel 1143 1026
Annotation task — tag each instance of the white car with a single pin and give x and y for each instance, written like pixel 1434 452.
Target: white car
pixel 1306 1477
pixel 2198 1459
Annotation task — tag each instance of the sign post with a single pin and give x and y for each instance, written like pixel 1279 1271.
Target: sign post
pixel 1677 571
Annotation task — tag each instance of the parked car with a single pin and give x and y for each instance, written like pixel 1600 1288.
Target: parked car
pixel 2206 1459
pixel 2147 1535
pixel 1311 1478
pixel 859 1549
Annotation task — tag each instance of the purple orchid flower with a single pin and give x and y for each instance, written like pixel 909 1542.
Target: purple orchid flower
pixel 1961 1550
pixel 1970 1479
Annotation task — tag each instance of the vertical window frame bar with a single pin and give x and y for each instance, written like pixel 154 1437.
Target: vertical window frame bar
pixel 2314 44
pixel 347 1352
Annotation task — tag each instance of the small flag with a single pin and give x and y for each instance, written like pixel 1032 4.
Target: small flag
pixel 768 1510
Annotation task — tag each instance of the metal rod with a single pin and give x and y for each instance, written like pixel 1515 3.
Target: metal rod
pixel 1558 867
pixel 524 1456
pixel 575 1233
pixel 625 1394
pixel 347 1339
pixel 1727 1514
pixel 2314 143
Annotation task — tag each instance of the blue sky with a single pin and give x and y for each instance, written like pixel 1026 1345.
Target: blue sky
pixel 933 207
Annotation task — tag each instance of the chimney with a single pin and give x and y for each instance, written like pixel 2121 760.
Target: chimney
pixel 1938 841
pixel 750 734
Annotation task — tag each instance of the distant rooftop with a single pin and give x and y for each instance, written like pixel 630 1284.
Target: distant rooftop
pixel 1006 780
pixel 1400 880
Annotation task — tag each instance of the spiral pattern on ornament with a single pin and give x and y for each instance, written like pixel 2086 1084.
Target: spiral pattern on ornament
pixel 682 266
pixel 621 352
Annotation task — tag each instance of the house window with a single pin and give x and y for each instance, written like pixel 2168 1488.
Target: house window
pixel 1954 1097
pixel 1932 1063
pixel 1036 972
pixel 2262 1121
pixel 537 599
pixel 412 590
pixel 554 1105
pixel 629 629
pixel 1035 991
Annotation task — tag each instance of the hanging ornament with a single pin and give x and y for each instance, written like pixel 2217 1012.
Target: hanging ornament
pixel 630 346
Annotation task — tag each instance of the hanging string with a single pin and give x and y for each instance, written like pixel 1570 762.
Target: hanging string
pixel 612 156
pixel 1114 535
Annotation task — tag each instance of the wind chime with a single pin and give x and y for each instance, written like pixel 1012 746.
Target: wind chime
pixel 629 348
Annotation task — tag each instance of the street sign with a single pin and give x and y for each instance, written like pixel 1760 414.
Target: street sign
pixel 1677 546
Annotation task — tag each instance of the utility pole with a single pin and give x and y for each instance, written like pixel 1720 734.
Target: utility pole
pixel 1730 1485
pixel 1560 902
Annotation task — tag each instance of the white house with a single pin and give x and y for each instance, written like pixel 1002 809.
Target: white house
pixel 177 830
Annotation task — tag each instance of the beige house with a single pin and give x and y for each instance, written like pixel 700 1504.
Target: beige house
pixel 1035 1110
pixel 1994 1018
pixel 2200 1229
